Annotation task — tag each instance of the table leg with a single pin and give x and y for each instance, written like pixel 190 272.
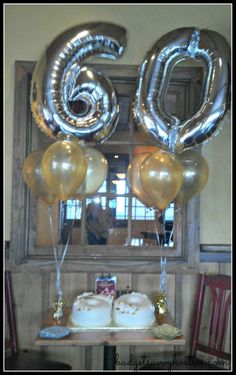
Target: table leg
pixel 109 358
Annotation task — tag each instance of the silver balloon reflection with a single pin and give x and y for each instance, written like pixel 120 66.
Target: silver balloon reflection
pixel 71 98
pixel 153 79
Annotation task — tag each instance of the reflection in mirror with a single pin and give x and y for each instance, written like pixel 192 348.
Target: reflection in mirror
pixel 98 221
pixel 103 217
pixel 147 227
pixel 114 216
pixel 176 102
pixel 43 232
pixel 106 223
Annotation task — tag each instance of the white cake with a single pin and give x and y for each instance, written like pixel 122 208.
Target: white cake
pixel 91 310
pixel 134 310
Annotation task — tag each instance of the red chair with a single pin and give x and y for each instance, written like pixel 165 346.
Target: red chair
pixel 220 287
pixel 23 359
pixel 215 290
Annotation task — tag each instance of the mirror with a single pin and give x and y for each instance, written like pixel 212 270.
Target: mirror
pixel 132 233
pixel 114 216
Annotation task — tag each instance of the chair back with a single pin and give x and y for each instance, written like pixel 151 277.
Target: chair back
pixel 10 309
pixel 220 292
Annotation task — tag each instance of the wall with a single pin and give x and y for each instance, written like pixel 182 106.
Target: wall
pixel 28 31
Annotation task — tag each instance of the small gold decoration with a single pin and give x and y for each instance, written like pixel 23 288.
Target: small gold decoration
pixel 161 303
pixel 58 307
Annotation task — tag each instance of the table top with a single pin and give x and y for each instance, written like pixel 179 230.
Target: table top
pixel 107 337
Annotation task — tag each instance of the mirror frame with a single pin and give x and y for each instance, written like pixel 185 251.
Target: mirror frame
pixel 24 254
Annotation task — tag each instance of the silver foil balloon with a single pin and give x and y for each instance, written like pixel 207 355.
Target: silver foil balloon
pixel 69 97
pixel 167 131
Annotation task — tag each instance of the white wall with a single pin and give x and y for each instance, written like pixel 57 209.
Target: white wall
pixel 29 29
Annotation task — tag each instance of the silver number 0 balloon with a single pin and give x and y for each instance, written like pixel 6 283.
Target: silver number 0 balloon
pixel 71 98
pixel 154 74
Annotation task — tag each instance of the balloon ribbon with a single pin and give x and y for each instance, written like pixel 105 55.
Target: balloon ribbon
pixel 60 304
pixel 161 298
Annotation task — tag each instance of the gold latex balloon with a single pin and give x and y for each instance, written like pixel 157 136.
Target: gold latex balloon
pixel 195 174
pixel 32 175
pixel 97 169
pixel 64 166
pixel 161 176
pixel 133 178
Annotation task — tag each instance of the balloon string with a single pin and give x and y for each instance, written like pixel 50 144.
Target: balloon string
pixel 58 271
pixel 163 260
pixel 163 226
pixel 58 284
pixel 163 279
pixel 61 209
pixel 62 213
pixel 161 220
pixel 69 234
pixel 171 234
pixel 157 231
pixel 52 232
pixel 58 263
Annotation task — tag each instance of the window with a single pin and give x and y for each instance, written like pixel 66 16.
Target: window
pixel 132 240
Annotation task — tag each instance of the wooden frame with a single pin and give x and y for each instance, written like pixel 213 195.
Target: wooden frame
pixel 24 254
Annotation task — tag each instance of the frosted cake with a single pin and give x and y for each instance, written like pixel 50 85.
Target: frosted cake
pixel 92 310
pixel 133 309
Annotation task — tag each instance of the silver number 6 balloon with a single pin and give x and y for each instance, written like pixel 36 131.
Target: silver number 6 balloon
pixel 154 74
pixel 74 99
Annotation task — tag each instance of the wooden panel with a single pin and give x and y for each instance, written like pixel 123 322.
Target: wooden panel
pixel 188 287
pixel 150 283
pixel 210 268
pixel 144 355
pixel 97 359
pixel 45 303
pixel 123 357
pixel 124 281
pixel 73 284
pixel 21 138
pixel 28 296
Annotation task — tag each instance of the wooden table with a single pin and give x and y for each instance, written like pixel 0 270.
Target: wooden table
pixel 108 339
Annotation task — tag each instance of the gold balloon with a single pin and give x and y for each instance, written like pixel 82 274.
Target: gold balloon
pixel 64 166
pixel 161 176
pixel 133 178
pixel 32 174
pixel 195 174
pixel 97 169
